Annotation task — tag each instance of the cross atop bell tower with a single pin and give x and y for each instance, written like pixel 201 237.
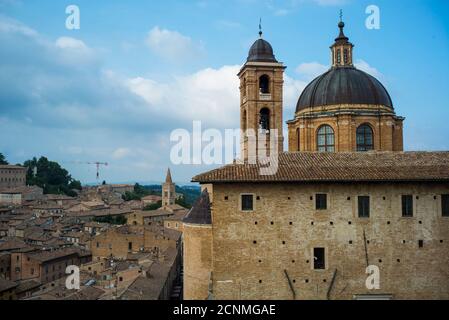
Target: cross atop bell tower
pixel 261 98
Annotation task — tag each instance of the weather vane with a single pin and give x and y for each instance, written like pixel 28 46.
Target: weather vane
pixel 341 15
pixel 260 27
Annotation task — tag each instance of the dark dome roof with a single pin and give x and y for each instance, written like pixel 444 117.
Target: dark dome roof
pixel 261 51
pixel 344 85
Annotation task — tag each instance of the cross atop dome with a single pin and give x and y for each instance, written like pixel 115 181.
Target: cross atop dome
pixel 342 48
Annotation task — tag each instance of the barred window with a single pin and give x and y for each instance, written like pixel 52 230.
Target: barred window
pixel 247 202
pixel 407 206
pixel 363 207
pixel 321 201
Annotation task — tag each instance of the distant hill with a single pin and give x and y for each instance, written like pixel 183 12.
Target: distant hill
pixel 190 192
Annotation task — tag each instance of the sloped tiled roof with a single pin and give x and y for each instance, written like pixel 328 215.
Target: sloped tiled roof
pixel 340 167
pixel 200 212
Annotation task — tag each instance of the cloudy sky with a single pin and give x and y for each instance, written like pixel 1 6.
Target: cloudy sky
pixel 115 89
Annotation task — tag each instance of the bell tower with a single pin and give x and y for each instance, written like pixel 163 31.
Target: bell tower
pixel 261 96
pixel 168 191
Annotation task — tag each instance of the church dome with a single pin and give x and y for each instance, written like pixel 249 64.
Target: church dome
pixel 344 85
pixel 261 51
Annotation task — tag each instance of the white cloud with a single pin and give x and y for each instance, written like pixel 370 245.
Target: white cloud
pixel 70 43
pixel 8 25
pixel 292 90
pixel 281 12
pixel 364 66
pixel 172 45
pixel 121 153
pixel 210 95
pixel 311 70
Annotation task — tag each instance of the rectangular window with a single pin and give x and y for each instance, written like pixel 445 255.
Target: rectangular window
pixel 319 259
pixel 130 245
pixel 321 201
pixel 445 205
pixel 407 206
pixel 247 202
pixel 363 207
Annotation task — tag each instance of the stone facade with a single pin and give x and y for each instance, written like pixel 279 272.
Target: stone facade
pixel 12 176
pixel 44 266
pixel 119 242
pixel 198 266
pixel 252 250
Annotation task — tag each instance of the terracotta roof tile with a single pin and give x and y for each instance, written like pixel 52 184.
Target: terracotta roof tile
pixel 340 167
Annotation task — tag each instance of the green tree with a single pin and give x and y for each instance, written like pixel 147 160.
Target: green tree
pixel 153 206
pixel 182 202
pixel 3 159
pixel 51 177
pixel 115 220
pixel 137 194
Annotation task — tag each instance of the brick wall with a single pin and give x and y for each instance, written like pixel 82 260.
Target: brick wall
pixel 289 228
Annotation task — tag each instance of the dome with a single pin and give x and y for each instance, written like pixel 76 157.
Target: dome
pixel 344 85
pixel 261 51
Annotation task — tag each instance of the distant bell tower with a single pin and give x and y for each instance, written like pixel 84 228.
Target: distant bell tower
pixel 168 191
pixel 261 95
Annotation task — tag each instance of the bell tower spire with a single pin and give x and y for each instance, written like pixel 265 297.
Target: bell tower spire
pixel 342 48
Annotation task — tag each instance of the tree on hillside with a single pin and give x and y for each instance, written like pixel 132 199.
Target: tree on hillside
pixel 3 159
pixel 51 177
pixel 137 194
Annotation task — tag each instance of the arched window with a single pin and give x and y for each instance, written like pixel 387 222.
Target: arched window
pixel 345 56
pixel 338 56
pixel 298 141
pixel 244 87
pixel 326 139
pixel 244 120
pixel 264 119
pixel 365 138
pixel 264 84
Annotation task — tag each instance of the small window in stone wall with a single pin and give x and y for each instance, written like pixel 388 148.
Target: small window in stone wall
pixel 363 204
pixel 445 205
pixel 247 202
pixel 319 262
pixel 407 206
pixel 321 201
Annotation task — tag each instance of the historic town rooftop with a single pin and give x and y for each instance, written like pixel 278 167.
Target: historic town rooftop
pixel 339 167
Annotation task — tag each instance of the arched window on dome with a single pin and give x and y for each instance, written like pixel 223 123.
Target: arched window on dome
pixel 326 139
pixel 264 119
pixel 298 141
pixel 365 138
pixel 264 84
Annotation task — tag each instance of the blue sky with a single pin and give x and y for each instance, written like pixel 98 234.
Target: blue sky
pixel 136 70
